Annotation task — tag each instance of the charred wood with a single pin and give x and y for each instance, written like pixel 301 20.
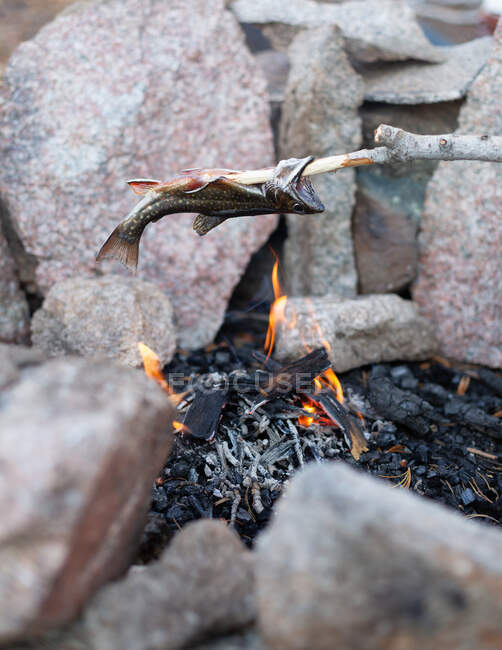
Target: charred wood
pixel 401 406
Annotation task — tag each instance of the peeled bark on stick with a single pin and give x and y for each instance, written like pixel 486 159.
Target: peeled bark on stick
pixel 396 146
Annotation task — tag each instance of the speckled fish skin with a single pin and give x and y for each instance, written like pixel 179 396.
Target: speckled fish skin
pixel 217 198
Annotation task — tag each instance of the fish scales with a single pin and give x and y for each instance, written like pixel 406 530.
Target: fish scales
pixel 216 198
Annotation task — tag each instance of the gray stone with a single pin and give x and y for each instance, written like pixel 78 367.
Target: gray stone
pixel 390 198
pixel 81 444
pixel 385 232
pixel 320 118
pixel 459 287
pixel 203 585
pixel 117 89
pixel 14 312
pixel 367 329
pixel 14 359
pixel 421 83
pixel 349 562
pixel 249 639
pixel 275 66
pixel 105 317
pixel 374 30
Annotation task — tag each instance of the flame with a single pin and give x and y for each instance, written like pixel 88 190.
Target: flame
pixel 277 310
pixel 330 379
pixel 277 315
pixel 179 427
pixel 153 370
pixel 306 420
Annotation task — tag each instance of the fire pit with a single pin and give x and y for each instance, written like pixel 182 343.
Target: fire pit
pixel 246 423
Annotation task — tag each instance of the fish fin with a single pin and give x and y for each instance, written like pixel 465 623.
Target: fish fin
pixel 203 187
pixel 199 179
pixel 143 185
pixel 118 248
pixel 289 171
pixel 203 223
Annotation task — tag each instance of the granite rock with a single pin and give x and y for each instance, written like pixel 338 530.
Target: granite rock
pixel 81 444
pixel 14 312
pixel 375 568
pixel 319 117
pixel 105 317
pixel 203 585
pixel 385 232
pixel 118 89
pixel 459 288
pixel 248 639
pixel 421 83
pixel 390 198
pixel 370 29
pixel 358 331
pixel 14 359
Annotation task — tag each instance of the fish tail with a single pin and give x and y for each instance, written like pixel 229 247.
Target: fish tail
pixel 202 223
pixel 122 245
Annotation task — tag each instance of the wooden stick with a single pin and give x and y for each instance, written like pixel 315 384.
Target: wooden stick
pixel 396 146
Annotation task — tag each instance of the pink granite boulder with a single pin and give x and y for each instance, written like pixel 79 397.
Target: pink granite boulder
pixel 14 312
pixel 117 89
pixel 459 287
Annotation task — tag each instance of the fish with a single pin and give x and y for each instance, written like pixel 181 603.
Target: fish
pixel 215 197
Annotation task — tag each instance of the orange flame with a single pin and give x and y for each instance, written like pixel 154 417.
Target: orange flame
pixel 179 427
pixel 306 420
pixel 277 310
pixel 327 379
pixel 153 370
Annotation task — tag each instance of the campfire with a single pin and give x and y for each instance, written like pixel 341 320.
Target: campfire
pixel 246 423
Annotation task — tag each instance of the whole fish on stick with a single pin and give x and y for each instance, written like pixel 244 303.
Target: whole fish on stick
pixel 216 198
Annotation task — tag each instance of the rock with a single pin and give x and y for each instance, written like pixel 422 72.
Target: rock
pixel 14 359
pixel 390 198
pixel 349 562
pixel 21 20
pixel 14 312
pixel 370 28
pixel 105 317
pixel 367 329
pixel 460 278
pixel 249 639
pixel 419 83
pixel 80 133
pixel 385 234
pixel 275 66
pixel 203 585
pixel 81 444
pixel 319 117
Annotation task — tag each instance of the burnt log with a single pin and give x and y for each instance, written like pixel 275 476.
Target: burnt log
pixel 401 406
pixel 204 413
pixel 463 412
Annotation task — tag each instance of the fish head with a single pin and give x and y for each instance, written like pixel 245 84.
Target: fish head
pixel 289 192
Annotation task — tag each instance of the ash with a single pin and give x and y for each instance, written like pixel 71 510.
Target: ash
pixel 432 435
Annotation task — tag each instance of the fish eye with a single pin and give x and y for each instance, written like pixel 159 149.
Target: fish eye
pixel 298 207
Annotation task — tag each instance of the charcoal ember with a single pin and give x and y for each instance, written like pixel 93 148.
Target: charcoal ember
pixel 286 379
pixel 491 379
pixel 403 377
pixel 474 417
pixel 201 420
pixel 460 410
pixel 257 449
pixel 401 406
